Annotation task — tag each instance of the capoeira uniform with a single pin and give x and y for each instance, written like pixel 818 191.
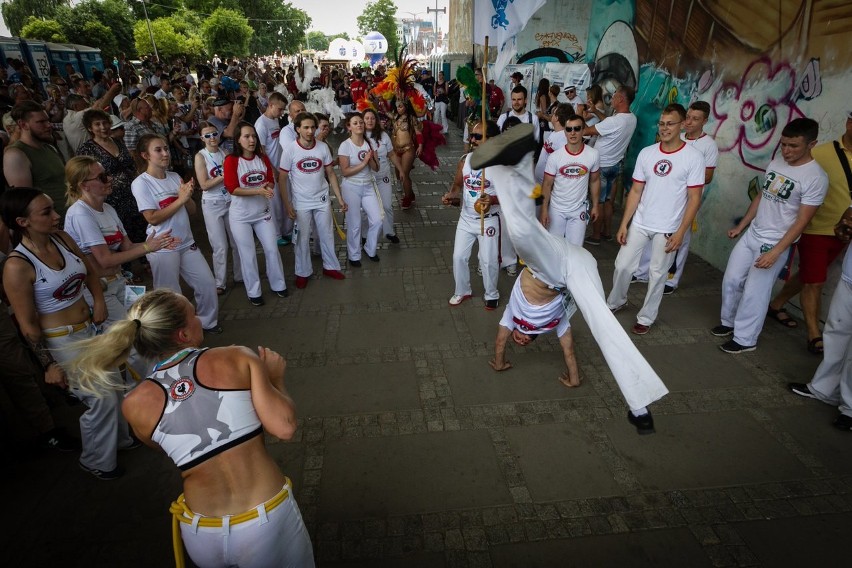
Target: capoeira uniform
pixel 708 148
pixel 569 197
pixel 268 134
pixel 668 176
pixel 832 382
pixel 383 182
pixel 249 216
pixel 560 264
pixel 185 261
pixel 197 424
pixel 305 169
pixel 532 319
pixel 469 231
pixel 215 206
pixel 746 289
pixel 102 427
pixel 360 192
pixel 553 139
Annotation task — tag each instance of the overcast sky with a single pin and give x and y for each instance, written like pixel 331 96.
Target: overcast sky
pixel 337 16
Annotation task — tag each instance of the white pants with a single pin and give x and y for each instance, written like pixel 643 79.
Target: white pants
pixel 114 300
pixel 468 232
pixel 440 116
pixel 746 290
pixel 626 263
pixel 244 232
pixel 570 226
pixel 280 220
pixel 832 382
pixel 215 213
pixel 321 219
pixel 102 427
pixel 276 538
pixel 383 183
pixel 679 262
pixel 359 197
pixel 559 263
pixel 168 267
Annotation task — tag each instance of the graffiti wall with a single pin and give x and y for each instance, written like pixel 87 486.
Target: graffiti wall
pixel 759 64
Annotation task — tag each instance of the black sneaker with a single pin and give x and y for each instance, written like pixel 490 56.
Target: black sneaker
pixel 105 475
pixel 668 290
pixel 491 305
pixel 800 389
pixel 216 329
pixel 282 293
pixel 392 238
pixel 355 263
pixel 734 347
pixel 257 301
pixel 374 258
pixel 644 423
pixel 722 331
pixel 59 440
pixel 135 444
pixel 844 423
pixel 506 149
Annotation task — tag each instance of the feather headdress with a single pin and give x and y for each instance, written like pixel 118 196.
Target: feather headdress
pixel 400 82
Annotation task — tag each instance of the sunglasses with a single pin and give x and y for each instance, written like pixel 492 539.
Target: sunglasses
pixel 476 136
pixel 103 177
pixel 210 135
pixel 573 129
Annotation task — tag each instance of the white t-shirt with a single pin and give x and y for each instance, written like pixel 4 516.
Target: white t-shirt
pixel 306 174
pixel 552 139
pixel 356 155
pixel 570 173
pixel 215 164
pixel 287 135
pixel 707 146
pixel 615 132
pixel 242 172
pixel 383 148
pixel 532 319
pixel 666 175
pixel 785 189
pixel 268 133
pixel 153 194
pixel 525 117
pixel 89 227
pixel 471 190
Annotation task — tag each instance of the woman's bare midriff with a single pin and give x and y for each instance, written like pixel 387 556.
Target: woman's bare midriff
pixel 76 313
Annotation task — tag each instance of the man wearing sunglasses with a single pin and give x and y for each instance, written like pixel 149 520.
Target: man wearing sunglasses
pixel 571 177
pixel 662 204
pixel 466 191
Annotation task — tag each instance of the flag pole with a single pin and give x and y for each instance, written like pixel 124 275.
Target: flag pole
pixel 484 129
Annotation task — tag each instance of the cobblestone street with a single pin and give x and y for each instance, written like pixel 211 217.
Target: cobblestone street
pixel 413 452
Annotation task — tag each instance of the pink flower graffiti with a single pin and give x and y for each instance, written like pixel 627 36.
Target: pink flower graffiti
pixel 751 114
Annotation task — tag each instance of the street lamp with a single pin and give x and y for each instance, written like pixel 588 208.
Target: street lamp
pixel 150 31
pixel 415 26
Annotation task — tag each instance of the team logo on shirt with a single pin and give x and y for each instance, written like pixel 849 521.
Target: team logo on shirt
pixel 252 178
pixel 275 134
pixel 663 168
pixel 362 154
pixel 69 289
pixel 182 389
pixel 490 232
pixel 473 183
pixel 309 165
pixel 528 327
pixel 574 171
pixel 167 201
pixel 215 171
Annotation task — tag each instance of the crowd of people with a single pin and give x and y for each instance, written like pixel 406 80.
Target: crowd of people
pixel 101 179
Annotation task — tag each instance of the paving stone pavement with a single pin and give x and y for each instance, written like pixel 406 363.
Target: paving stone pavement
pixel 412 451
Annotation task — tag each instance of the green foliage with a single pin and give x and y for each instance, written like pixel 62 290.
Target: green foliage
pixel 169 42
pixel 17 12
pixel 43 30
pixel 107 25
pixel 379 16
pixel 319 41
pixel 156 8
pixel 227 33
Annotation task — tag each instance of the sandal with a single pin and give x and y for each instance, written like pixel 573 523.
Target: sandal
pixel 782 317
pixel 815 345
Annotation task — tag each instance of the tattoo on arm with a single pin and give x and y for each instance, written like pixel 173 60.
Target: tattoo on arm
pixel 42 352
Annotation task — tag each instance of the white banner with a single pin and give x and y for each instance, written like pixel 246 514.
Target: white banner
pixel 501 19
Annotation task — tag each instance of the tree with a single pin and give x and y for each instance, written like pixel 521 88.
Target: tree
pixel 156 8
pixel 43 30
pixel 227 32
pixel 169 42
pixel 319 41
pixel 17 12
pixel 379 17
pixel 107 25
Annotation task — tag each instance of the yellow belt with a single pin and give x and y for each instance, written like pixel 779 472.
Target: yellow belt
pixel 109 279
pixel 64 330
pixel 181 513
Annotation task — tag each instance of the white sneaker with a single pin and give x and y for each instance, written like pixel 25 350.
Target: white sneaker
pixel 512 270
pixel 457 299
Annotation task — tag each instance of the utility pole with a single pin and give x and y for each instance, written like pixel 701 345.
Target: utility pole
pixel 151 33
pixel 436 10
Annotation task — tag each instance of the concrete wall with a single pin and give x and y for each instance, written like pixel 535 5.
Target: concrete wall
pixel 759 64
